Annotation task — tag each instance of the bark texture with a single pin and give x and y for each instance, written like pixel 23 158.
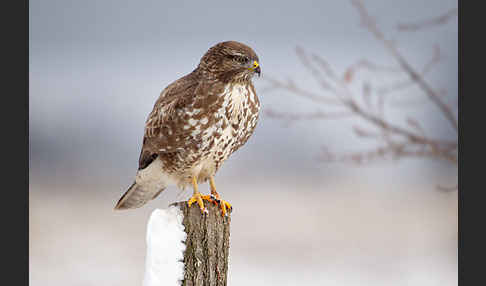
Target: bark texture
pixel 207 245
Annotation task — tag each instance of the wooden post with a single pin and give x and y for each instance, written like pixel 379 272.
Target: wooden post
pixel 207 245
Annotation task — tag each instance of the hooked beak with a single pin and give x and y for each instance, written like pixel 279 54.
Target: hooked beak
pixel 256 68
pixel 258 71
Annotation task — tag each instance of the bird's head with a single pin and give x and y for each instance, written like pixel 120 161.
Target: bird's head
pixel 230 61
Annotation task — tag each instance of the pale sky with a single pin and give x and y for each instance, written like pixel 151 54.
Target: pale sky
pixel 97 67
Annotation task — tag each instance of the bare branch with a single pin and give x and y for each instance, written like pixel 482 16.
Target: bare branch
pixel 415 124
pixel 360 132
pixel 389 127
pixel 395 140
pixel 315 73
pixel 326 67
pixel 433 61
pixel 439 20
pixel 370 24
pixel 354 108
pixel 409 83
pixel 364 64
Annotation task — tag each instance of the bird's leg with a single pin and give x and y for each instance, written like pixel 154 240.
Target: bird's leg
pixel 224 205
pixel 196 197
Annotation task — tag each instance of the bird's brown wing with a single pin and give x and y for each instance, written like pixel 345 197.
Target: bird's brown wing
pixel 164 125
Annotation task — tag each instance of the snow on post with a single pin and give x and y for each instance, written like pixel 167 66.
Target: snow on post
pixel 185 247
pixel 165 248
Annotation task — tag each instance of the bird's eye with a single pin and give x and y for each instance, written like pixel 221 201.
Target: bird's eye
pixel 241 59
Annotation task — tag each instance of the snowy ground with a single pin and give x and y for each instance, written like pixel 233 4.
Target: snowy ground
pixel 345 235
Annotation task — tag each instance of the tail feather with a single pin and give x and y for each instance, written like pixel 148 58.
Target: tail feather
pixel 135 197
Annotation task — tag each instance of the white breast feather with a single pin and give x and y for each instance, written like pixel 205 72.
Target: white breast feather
pixel 238 101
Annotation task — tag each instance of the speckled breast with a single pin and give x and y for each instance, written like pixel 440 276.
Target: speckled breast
pixel 235 121
pixel 214 127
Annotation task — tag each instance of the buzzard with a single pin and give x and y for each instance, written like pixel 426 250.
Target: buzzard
pixel 197 122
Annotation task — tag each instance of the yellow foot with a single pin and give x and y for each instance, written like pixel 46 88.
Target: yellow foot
pixel 223 205
pixel 199 199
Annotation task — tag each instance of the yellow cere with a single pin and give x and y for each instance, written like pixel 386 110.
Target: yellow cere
pixel 255 65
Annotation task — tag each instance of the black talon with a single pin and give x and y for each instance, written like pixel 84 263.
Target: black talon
pixel 215 199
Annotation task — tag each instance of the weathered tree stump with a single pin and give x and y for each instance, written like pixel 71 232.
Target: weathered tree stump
pixel 207 245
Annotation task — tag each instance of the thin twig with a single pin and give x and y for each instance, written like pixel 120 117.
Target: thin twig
pixel 395 141
pixel 439 20
pixel 370 24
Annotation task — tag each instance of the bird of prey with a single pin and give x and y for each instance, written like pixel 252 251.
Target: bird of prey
pixel 197 122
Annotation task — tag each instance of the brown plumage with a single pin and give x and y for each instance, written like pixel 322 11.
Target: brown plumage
pixel 197 123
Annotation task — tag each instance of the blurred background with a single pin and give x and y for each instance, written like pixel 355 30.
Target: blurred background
pixel 96 69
